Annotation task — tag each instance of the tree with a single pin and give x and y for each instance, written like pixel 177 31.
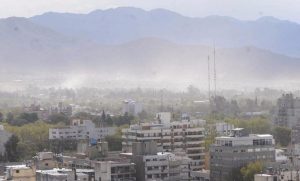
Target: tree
pixel 59 118
pixel 143 115
pixel 30 117
pixel 33 137
pixel 250 170
pixel 9 117
pixel 282 135
pixel 11 149
pixel 114 142
pixel 1 117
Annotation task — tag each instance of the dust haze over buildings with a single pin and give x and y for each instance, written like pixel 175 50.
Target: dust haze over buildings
pixel 132 47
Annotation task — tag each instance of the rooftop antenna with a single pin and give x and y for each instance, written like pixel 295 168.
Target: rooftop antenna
pixel 215 73
pixel 208 76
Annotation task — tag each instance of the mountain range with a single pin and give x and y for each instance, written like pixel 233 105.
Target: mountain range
pixel 120 25
pixel 160 45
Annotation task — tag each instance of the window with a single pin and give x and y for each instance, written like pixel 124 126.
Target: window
pixel 17 171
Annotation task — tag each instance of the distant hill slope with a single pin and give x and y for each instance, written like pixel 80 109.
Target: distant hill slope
pixel 28 47
pixel 120 25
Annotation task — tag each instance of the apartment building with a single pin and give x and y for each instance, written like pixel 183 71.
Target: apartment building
pixel 237 150
pixel 181 136
pixel 287 113
pixel 159 166
pixel 81 129
pixel 224 129
pixel 120 170
pixel 132 107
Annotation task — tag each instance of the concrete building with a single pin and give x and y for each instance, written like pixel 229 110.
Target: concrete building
pixel 61 108
pixel 4 137
pixel 63 174
pixel 20 173
pixel 132 107
pixel 159 166
pixel 170 137
pixel 287 113
pixel 237 150
pixel 264 177
pixel 224 129
pixel 45 161
pixel 200 175
pixel 115 171
pixel 80 130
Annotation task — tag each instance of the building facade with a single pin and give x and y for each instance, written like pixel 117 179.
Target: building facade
pixel 287 113
pixel 115 171
pixel 237 150
pixel 80 130
pixel 170 137
pixel 159 166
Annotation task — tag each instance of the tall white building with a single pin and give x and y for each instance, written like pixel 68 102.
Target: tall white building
pixel 224 129
pixel 81 129
pixel 170 137
pixel 132 107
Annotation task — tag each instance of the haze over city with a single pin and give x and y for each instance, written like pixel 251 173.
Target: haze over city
pixel 148 90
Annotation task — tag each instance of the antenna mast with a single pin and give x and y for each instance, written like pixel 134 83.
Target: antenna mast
pixel 208 76
pixel 215 73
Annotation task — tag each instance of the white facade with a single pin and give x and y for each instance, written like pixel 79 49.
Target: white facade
pixel 132 107
pixel 166 166
pixel 263 177
pixel 224 128
pixel 173 137
pixel 164 117
pixel 81 129
pixel 252 139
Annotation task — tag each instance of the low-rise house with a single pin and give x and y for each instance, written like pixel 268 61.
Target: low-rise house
pixel 20 173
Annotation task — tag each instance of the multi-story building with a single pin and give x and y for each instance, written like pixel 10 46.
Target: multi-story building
pixel 159 166
pixel 115 171
pixel 287 113
pixel 224 129
pixel 237 150
pixel 132 107
pixel 170 137
pixel 200 175
pixel 61 108
pixel 81 129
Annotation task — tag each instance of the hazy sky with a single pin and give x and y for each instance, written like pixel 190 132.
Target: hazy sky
pixel 241 9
